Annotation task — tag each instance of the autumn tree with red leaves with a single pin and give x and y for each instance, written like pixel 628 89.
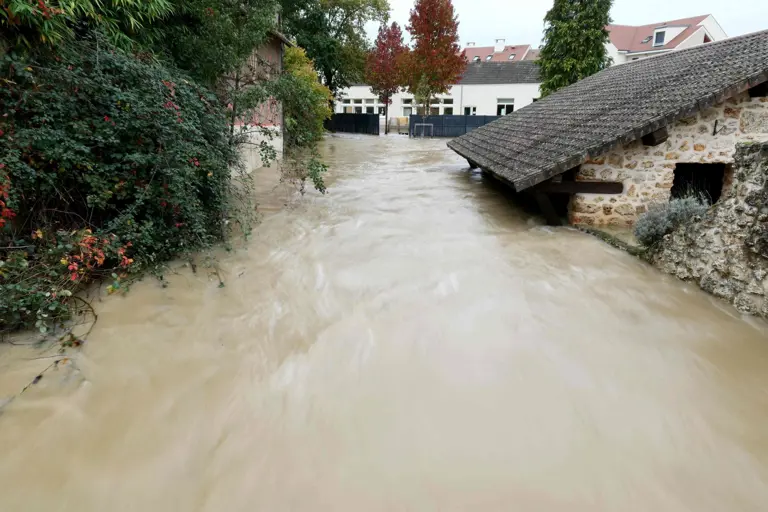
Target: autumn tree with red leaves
pixel 382 68
pixel 436 61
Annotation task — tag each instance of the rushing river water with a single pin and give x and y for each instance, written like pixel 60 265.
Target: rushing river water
pixel 411 341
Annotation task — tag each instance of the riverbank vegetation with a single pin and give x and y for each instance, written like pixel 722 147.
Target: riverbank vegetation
pixel 120 139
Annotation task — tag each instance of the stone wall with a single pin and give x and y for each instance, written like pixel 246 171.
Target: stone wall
pixel 648 171
pixel 726 252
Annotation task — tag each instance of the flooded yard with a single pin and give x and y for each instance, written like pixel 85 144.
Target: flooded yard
pixel 410 341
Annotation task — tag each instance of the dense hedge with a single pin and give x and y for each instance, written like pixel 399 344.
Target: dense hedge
pixel 109 164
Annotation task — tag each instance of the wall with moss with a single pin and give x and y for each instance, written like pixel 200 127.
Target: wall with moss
pixel 647 172
pixel 726 251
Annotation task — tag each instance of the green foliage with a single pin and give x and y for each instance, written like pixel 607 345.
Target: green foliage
pixel 663 218
pixel 574 42
pixel 333 33
pixel 97 139
pixel 212 38
pixel 50 22
pixel 305 106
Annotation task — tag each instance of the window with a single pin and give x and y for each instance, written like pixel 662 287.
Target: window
pixel 407 111
pixel 346 101
pixel 348 110
pixel 512 57
pixel 448 101
pixel 381 111
pixel 701 179
pixel 505 106
pixel 370 102
pixel 359 102
pixel 434 111
pixel 707 39
pixel 358 110
pixel 476 59
pixel 470 111
pixel 659 38
pixel 489 57
pixel 646 40
pixel 447 111
pixel 407 101
pixel 635 58
pixel 369 110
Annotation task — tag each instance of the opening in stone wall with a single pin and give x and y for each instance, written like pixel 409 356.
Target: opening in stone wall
pixel 699 179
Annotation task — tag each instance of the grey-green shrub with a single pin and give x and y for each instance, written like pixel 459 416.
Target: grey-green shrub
pixel 663 218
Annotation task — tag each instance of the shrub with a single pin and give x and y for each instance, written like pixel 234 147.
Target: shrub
pixel 663 218
pixel 108 165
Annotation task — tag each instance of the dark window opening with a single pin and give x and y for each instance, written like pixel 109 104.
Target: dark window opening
pixel 707 39
pixel 358 110
pixel 659 40
pixel 759 91
pixel 369 110
pixel 699 179
pixel 504 109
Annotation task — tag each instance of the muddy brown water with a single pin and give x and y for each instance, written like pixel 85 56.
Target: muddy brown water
pixel 411 341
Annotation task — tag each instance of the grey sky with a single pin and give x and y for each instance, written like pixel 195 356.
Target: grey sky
pixel 521 21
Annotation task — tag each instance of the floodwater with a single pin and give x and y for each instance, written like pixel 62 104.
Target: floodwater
pixel 411 341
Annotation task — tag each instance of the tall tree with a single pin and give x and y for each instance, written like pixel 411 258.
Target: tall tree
pixel 436 61
pixel 575 35
pixel 333 34
pixel 382 70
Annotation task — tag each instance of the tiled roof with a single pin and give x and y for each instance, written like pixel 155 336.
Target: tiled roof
pixel 612 108
pixel 533 54
pixel 503 56
pixel 630 39
pixel 482 73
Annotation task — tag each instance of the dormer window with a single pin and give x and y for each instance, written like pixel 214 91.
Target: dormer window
pixel 646 40
pixel 489 57
pixel 512 57
pixel 658 38
pixel 476 59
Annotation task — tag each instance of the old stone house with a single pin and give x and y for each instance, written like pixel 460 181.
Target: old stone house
pixel 633 134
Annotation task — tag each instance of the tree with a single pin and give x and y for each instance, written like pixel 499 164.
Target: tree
pixel 574 42
pixel 382 71
pixel 333 34
pixel 28 23
pixel 436 61
pixel 305 104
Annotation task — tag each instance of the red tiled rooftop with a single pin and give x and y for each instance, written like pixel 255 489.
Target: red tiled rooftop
pixel 503 56
pixel 630 39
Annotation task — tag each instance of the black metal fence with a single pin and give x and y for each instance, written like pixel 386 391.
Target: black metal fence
pixel 445 126
pixel 353 123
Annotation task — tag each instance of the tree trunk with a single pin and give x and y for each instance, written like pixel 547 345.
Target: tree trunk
pixel 386 117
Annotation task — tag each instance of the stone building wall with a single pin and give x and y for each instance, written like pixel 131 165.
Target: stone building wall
pixel 647 172
pixel 726 252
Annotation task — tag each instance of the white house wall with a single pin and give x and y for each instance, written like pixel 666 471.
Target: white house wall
pixel 483 97
pixel 716 32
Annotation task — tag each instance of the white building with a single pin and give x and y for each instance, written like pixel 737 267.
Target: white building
pixel 487 88
pixel 630 43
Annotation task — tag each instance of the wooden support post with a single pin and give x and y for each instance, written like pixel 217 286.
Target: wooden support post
pixel 655 138
pixel 472 165
pixel 584 187
pixel 547 209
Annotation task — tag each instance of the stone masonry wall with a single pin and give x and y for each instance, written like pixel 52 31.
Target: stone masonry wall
pixel 648 171
pixel 726 252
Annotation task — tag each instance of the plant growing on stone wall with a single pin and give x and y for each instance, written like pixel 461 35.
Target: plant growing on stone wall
pixel 663 218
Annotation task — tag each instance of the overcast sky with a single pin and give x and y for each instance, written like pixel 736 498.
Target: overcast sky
pixel 521 21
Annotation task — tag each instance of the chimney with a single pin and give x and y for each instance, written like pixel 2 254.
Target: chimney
pixel 499 46
pixel 470 44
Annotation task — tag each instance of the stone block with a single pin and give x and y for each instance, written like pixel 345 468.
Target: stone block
pixel 606 174
pixel 699 147
pixel 648 164
pixel 607 209
pixel 631 165
pixel 685 146
pixel 672 156
pixel 586 173
pixel 754 122
pixel 625 209
pixel 732 112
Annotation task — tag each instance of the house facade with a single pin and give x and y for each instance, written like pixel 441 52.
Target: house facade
pixel 486 88
pixel 630 43
pixel 633 135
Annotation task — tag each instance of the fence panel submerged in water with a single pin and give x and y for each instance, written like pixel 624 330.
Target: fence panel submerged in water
pixel 446 126
pixel 353 123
